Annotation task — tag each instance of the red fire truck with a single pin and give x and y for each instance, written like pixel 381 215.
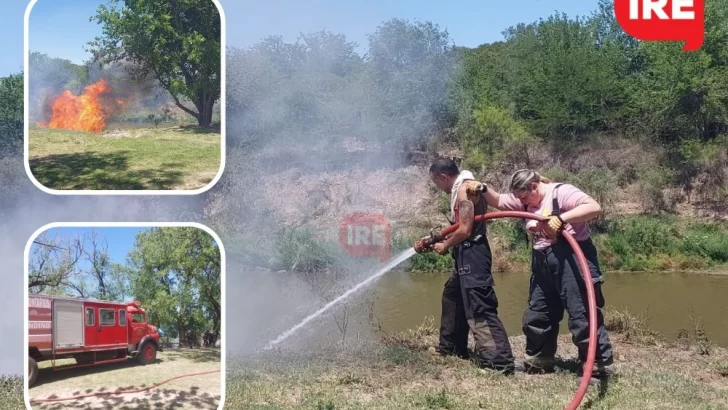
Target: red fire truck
pixel 92 332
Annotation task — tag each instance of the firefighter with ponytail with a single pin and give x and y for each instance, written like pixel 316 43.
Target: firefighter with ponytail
pixel 556 284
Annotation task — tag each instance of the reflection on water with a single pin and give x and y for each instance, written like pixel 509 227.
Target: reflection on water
pixel 404 300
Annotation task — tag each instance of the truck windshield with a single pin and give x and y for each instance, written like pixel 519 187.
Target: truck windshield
pixel 137 318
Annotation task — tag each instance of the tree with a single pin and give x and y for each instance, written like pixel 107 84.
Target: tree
pixel 178 277
pixel 411 68
pixel 563 84
pixel 328 52
pixel 309 90
pixel 76 266
pixel 51 75
pixel 497 138
pixel 11 114
pixel 175 42
pixel 53 264
pixel 682 96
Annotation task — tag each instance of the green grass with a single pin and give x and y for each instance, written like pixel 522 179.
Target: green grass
pixel 651 243
pixel 133 159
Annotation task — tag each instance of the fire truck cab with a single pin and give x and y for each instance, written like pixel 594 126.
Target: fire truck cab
pixel 92 332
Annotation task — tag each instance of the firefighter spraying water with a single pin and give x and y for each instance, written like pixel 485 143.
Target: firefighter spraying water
pixel 469 295
pixel 448 237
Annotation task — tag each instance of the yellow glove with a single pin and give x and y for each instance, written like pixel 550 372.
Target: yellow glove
pixel 473 188
pixel 553 225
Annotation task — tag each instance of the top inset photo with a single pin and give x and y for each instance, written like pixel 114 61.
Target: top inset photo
pixel 124 97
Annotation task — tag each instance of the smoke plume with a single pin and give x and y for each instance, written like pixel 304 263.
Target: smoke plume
pixel 317 131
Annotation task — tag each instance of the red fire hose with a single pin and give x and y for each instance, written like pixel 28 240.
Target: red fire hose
pixel 585 273
pixel 120 391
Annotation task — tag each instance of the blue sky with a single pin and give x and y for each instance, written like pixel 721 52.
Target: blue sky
pixel 120 240
pixel 61 27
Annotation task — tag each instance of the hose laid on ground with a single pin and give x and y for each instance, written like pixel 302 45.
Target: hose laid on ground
pixel 585 273
pixel 121 391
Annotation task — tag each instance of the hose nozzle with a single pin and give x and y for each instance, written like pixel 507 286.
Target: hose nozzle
pixel 425 244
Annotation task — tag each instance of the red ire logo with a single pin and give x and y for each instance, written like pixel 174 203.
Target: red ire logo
pixel 366 236
pixel 666 20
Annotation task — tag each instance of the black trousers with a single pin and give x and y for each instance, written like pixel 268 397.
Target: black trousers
pixel 557 285
pixel 469 303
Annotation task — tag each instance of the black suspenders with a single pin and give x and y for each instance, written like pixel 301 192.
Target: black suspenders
pixel 555 208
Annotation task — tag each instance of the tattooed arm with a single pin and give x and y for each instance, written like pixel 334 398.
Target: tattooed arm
pixel 466 213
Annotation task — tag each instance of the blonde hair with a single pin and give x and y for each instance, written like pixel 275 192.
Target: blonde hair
pixel 523 178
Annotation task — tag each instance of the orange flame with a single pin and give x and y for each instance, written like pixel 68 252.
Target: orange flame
pixel 80 113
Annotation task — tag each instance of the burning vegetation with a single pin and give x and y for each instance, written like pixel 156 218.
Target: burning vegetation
pixel 86 112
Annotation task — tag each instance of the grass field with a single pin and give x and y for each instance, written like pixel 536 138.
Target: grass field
pixel 165 158
pixel 196 392
pixel 401 374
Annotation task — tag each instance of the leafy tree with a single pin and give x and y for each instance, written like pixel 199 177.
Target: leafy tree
pixel 11 114
pixel 481 80
pixel 56 74
pixel 497 138
pixel 684 95
pixel 287 90
pixel 328 52
pixel 177 43
pixel 178 277
pixel 564 85
pixel 410 73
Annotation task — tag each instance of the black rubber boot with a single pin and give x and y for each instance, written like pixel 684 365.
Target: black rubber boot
pixel 536 365
pixel 600 372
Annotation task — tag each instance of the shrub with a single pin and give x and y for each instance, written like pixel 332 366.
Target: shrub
pixel 634 242
pixel 11 392
pixel 298 250
pixel 633 328
pixel 653 180
pixel 707 241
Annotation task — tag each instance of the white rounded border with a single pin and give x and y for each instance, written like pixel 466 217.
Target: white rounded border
pixel 223 309
pixel 26 111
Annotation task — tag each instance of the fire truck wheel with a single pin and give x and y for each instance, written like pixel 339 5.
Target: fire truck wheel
pixel 148 353
pixel 32 371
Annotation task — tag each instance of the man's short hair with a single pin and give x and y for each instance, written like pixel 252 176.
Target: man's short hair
pixel 444 166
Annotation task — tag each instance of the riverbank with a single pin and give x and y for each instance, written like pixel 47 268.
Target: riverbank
pixel 668 303
pixel 399 373
pixel 635 243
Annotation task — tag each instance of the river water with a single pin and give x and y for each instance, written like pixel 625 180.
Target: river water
pixel 665 299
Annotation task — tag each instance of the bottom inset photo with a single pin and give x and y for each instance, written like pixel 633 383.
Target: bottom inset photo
pixel 122 316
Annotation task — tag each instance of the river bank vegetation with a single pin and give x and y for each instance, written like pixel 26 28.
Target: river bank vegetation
pixel 641 126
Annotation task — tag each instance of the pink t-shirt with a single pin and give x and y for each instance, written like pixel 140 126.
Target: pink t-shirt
pixel 569 197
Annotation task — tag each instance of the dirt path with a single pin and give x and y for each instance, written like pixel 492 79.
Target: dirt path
pixel 196 392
